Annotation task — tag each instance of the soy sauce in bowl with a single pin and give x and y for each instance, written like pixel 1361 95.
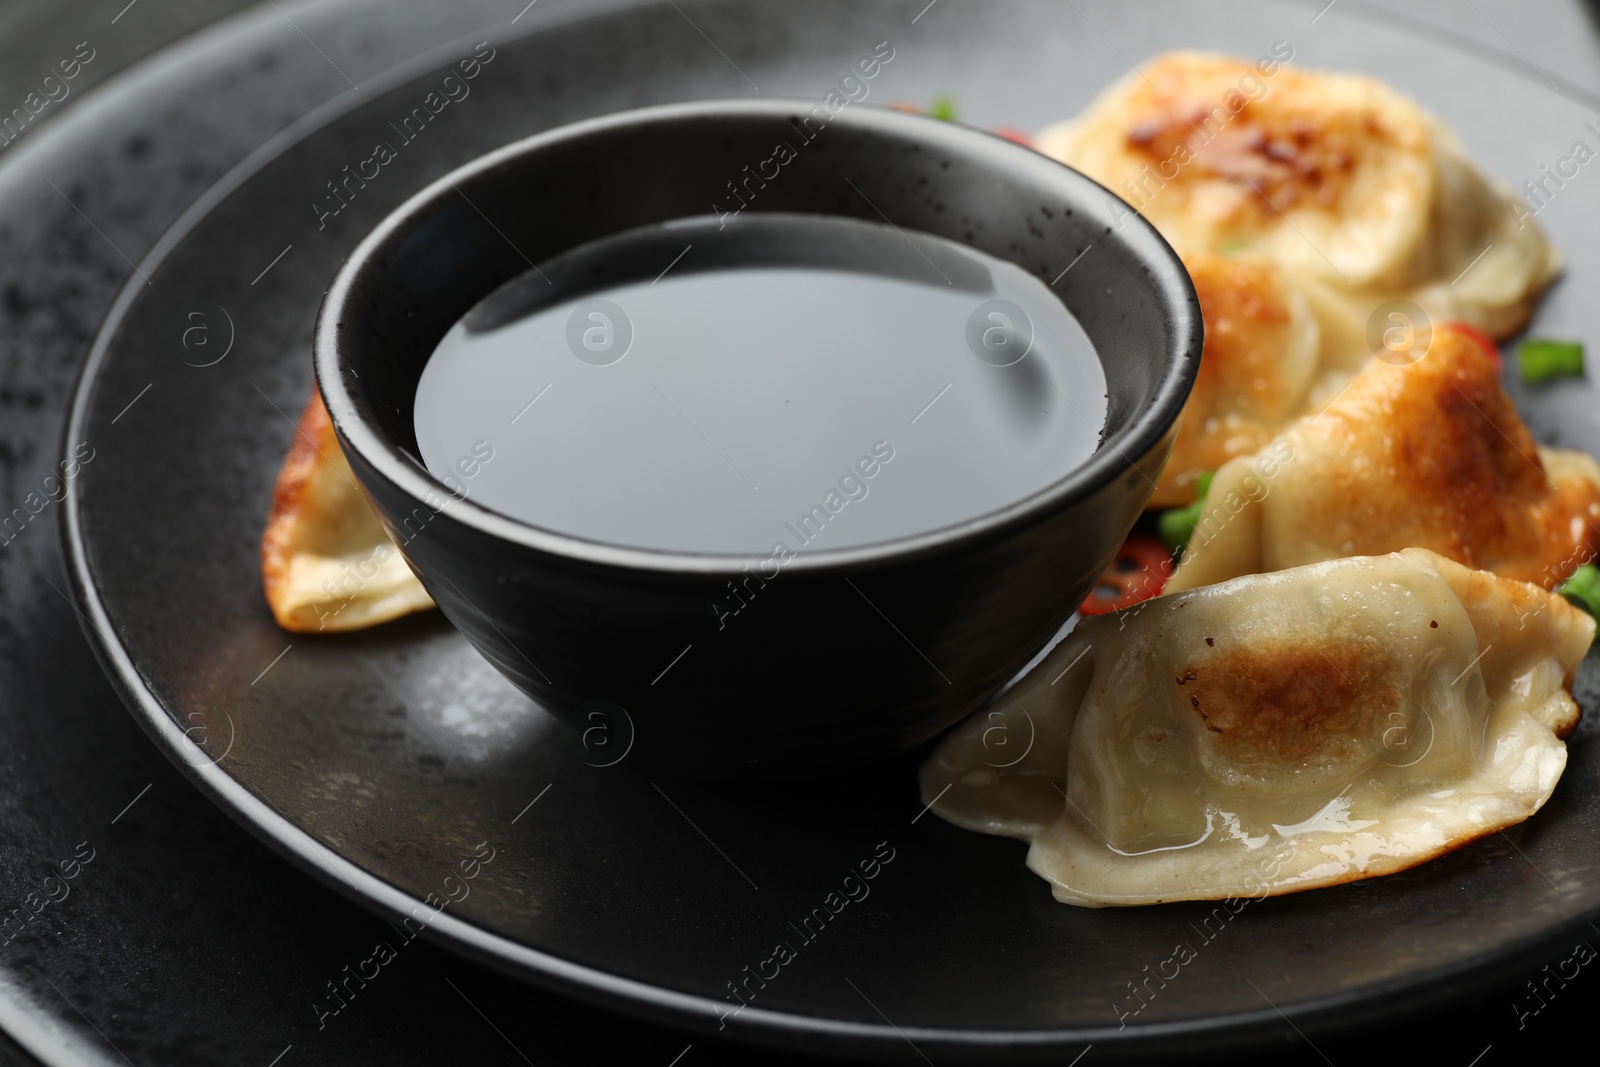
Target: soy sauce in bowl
pixel 777 380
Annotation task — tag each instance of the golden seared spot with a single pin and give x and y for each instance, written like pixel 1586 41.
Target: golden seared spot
pixel 1196 120
pixel 326 563
pixel 1333 176
pixel 295 502
pixel 1251 378
pixel 1465 476
pixel 1248 324
pixel 1287 165
pixel 1289 703
pixel 1575 502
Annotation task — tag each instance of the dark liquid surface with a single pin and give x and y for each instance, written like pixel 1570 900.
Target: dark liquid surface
pixel 810 381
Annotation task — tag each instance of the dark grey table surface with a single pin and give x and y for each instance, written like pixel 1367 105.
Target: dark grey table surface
pixel 241 938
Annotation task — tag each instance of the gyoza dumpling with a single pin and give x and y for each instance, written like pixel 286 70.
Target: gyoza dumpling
pixel 1335 177
pixel 326 563
pixel 1425 455
pixel 1266 362
pixel 1275 733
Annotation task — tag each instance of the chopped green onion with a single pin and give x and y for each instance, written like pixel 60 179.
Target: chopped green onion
pixel 943 108
pixel 1176 525
pixel 1583 588
pixel 1232 248
pixel 1543 360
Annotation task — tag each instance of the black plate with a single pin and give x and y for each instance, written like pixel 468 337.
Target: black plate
pixel 382 760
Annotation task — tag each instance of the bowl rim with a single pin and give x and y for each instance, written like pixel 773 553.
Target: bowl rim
pixel 1115 457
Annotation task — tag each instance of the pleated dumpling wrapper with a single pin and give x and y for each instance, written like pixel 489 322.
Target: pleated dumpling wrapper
pixel 1271 356
pixel 1275 733
pixel 1337 178
pixel 326 563
pixel 1429 454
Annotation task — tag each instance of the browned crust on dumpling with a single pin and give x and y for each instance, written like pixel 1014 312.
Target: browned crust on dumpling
pixel 1246 319
pixel 1248 326
pixel 1284 703
pixel 1207 145
pixel 1285 153
pixel 326 562
pixel 1465 478
pixel 313 436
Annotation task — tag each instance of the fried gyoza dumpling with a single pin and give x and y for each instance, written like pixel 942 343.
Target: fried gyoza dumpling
pixel 1275 733
pixel 326 563
pixel 1425 455
pixel 1266 362
pixel 1335 177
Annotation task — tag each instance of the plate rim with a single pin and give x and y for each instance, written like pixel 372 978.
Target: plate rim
pixel 1351 1010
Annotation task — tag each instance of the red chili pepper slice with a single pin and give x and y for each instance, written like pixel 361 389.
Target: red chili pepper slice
pixel 1485 342
pixel 1011 133
pixel 1139 572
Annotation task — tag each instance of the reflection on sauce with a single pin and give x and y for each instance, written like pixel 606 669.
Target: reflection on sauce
pixel 808 381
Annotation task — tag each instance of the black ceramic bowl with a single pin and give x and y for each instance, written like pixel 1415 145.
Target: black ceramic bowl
pixel 856 652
